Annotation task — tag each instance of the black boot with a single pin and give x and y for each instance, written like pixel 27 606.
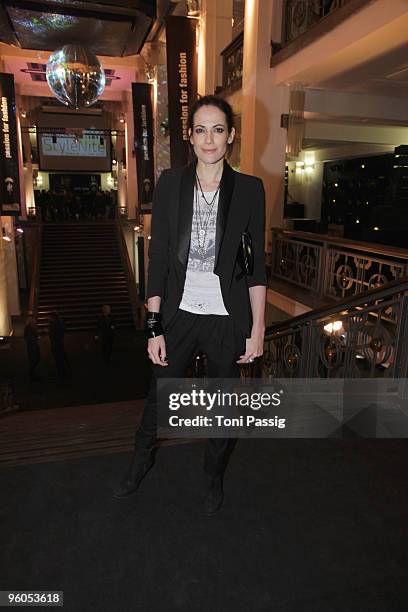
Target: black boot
pixel 215 496
pixel 141 464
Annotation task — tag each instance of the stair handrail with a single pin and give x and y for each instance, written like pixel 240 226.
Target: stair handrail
pixel 36 265
pixel 130 279
pixel 377 293
pixel 366 247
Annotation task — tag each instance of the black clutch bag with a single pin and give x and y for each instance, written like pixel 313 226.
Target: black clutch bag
pixel 246 254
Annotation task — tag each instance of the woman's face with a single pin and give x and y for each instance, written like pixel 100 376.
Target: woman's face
pixel 210 137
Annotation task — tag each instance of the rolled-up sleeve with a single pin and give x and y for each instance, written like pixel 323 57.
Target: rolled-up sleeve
pixel 159 242
pixel 256 228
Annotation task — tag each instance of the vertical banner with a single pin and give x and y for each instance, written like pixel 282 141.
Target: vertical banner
pixel 182 83
pixel 143 127
pixel 10 203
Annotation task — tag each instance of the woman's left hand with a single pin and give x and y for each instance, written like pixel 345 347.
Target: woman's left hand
pixel 254 346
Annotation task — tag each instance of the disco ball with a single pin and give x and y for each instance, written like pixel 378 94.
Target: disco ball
pixel 75 76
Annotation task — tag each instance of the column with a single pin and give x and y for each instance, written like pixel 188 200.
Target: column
pixel 25 171
pixel 131 182
pixel 215 33
pixel 10 260
pixel 5 320
pixel 120 171
pixel 263 149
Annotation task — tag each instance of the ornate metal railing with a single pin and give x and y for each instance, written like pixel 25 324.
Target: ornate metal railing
pixel 334 267
pixel 301 15
pixel 363 337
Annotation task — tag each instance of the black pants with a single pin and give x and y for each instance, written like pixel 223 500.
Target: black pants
pixel 223 343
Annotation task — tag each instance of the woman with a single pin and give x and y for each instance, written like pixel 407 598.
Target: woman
pixel 198 297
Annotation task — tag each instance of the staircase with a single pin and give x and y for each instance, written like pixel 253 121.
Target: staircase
pixel 82 269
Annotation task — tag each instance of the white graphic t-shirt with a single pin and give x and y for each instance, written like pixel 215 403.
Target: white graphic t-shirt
pixel 202 290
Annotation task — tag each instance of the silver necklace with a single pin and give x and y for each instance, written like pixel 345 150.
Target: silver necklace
pixel 202 223
pixel 202 192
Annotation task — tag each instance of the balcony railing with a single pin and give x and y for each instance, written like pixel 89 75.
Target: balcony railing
pixel 332 267
pixel 302 15
pixel 232 62
pixel 304 21
pixel 362 337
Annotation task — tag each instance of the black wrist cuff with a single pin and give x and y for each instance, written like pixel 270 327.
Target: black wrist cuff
pixel 156 316
pixel 153 324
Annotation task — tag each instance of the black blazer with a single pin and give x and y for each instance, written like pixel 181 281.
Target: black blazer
pixel 241 207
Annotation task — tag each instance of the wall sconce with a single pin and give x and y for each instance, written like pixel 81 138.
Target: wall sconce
pixel 121 118
pixel 309 162
pixel 300 167
pixel 23 113
pixel 5 237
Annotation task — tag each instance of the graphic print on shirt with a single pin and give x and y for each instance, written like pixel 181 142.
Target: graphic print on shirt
pixel 202 247
pixel 202 291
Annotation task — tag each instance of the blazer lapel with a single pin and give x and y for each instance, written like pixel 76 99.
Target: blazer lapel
pixel 185 217
pixel 224 201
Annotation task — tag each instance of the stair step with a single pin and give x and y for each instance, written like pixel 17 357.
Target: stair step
pixel 85 317
pixel 99 273
pixel 64 290
pixel 82 301
pixel 90 306
pixel 84 265
pixel 80 280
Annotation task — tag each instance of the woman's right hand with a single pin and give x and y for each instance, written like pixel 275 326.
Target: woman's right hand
pixel 156 348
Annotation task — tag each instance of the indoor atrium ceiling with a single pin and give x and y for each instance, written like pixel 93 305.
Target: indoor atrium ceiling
pixel 109 27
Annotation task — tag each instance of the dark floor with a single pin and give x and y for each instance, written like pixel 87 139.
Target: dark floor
pixel 92 382
pixel 307 525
